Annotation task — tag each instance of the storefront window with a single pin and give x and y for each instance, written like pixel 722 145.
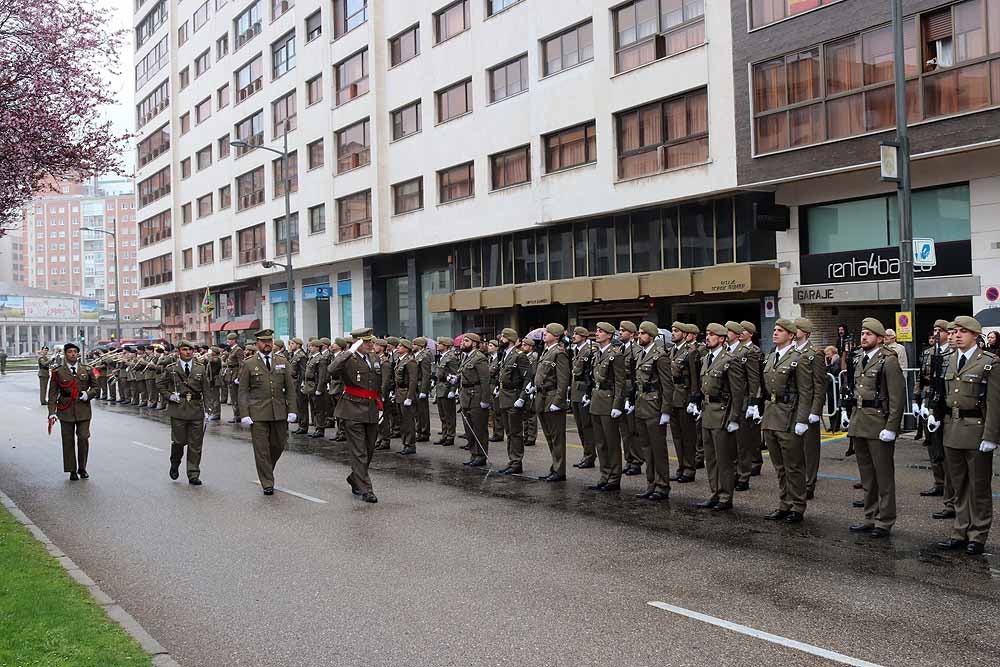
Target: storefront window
pixel 724 231
pixel 279 319
pixel 560 254
pixel 434 324
pixel 542 256
pixel 491 263
pixel 601 247
pixel 397 303
pixel 697 235
pixel 346 303
pixel 942 214
pixel 645 227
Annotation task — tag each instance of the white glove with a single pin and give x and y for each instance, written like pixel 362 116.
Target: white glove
pixel 732 427
pixel 208 417
pixel 664 419
pixel 915 408
pixel 691 408
pixel 484 406
pixel 696 414
pixel 986 447
pixel 615 413
pixel 236 381
pixel 886 435
pixel 292 417
pixel 84 397
pixel 453 379
pixel 844 419
pixel 629 408
pixel 302 387
pixel 553 408
pixel 752 412
pixel 246 421
pixel 925 412
pixel 356 345
pixel 407 402
pixel 813 419
pixel 421 396
pixel 519 403
pixel 586 401
pixel 496 391
pixel 319 393
pixel 932 424
pixel 801 428
pixel 451 394
pixel 530 388
pixel 174 398
pixel 392 395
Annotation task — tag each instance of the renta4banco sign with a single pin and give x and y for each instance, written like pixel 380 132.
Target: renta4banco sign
pixel 954 258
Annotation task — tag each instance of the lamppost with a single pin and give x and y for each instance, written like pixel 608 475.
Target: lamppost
pixel 118 301
pixel 288 222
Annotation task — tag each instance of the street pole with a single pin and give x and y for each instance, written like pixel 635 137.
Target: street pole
pixel 903 187
pixel 118 300
pixel 288 238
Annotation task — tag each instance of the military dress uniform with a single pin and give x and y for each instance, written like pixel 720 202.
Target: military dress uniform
pixel 424 358
pixel 627 429
pixel 608 396
pixel 551 382
pixel 723 392
pixel 234 362
pixel 444 392
pixel 43 378
pixel 358 410
pixel 70 390
pixel 187 386
pixel 580 397
pixel 937 357
pixel 384 437
pixel 685 377
pixel 654 389
pixel 514 373
pixel 473 393
pixel 498 427
pixel 811 440
pixel 530 421
pixel 406 381
pixel 314 386
pixel 298 361
pixel 748 438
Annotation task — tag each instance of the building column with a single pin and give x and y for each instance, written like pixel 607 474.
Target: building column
pixel 412 286
pixel 17 339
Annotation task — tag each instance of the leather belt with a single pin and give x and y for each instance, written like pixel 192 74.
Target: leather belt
pixel 717 399
pixel 871 404
pixel 974 413
pixel 790 398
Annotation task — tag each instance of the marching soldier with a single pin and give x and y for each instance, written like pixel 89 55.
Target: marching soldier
pixel 298 361
pixel 879 400
pixel 971 433
pixel 551 382
pixel 335 387
pixel 513 374
pixel 607 405
pixel 627 427
pixel 406 380
pixel 444 392
pixel 474 396
pixel 187 384
pixel 684 375
pixel 149 376
pixel 392 348
pixel 267 403
pixel 70 389
pixel 654 388
pixel 928 393
pixel 43 374
pixel 817 365
pixel 493 356
pixel 359 407
pixel 530 421
pixel 213 365
pixel 580 395
pixel 384 356
pixel 788 385
pixel 692 337
pixel 722 395
pixel 750 458
pixel 424 358
pixel 233 364
pixel 314 386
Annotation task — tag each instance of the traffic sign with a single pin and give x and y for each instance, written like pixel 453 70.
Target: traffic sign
pixel 904 327
pixel 923 252
pixel 992 294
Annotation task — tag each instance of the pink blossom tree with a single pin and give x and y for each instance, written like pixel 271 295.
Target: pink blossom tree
pixel 55 57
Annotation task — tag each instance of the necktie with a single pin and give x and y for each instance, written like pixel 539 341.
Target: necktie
pixel 864 362
pixel 961 361
pixel 711 359
pixel 267 362
pixel 777 358
pixel 187 369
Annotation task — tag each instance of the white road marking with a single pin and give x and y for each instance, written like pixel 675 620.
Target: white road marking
pixel 296 494
pixel 140 444
pixel 766 636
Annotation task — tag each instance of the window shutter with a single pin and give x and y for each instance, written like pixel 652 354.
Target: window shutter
pixel 938 26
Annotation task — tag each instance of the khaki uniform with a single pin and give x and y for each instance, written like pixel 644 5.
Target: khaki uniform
pixel 748 439
pixel 473 390
pixel 359 415
pixel 496 423
pixel 447 365
pixel 314 386
pixel 234 362
pixel 213 402
pixel 384 424
pixel 266 397
pixel 579 390
pixel 654 388
pixel 880 399
pixel 406 372
pixel 608 373
pixel 552 377
pixel 973 416
pixel 299 360
pixel 627 430
pixel 149 374
pixel 787 386
pixel 513 374
pixel 685 377
pixel 188 412
pixel 73 413
pixel 811 440
pixel 43 379
pixel 922 394
pixel 723 390
pixel 335 389
pixel 425 371
pixel 530 422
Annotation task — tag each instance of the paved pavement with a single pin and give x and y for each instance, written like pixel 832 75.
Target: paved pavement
pixel 454 567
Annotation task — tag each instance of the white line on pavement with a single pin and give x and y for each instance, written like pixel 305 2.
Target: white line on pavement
pixel 296 494
pixel 766 636
pixel 140 444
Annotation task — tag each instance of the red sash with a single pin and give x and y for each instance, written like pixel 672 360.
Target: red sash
pixel 74 391
pixel 370 394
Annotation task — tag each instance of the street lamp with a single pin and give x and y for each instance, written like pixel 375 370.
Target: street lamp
pixel 118 301
pixel 239 143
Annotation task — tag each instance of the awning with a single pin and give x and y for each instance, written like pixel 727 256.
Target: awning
pixel 218 326
pixel 240 325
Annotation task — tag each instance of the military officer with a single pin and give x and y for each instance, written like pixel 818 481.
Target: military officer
pixel 627 427
pixel 530 421
pixel 788 386
pixel 654 388
pixel 335 389
pixel 749 441
pixel 187 384
pixel 684 375
pixel 212 360
pixel 43 374
pixel 444 391
pixel 693 332
pixel 550 385
pixel 314 387
pixel 425 362
pixel 474 398
pixel 928 393
pixel 817 365
pixel 971 434
pixel 234 361
pixel 580 394
pixel 607 406
pixel 71 387
pixel 267 403
pixel 496 424
pixel 359 408
pixel 381 351
pixel 298 360
pixel 406 383
pixel 513 374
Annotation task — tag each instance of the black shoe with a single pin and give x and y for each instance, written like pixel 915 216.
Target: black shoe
pixel 529 444
pixel 553 477
pixel 778 515
pixel 600 486
pixel 657 495
pixel 794 517
pixel 676 477
pixel 952 544
pixel 194 481
pixel 722 507
pixel 268 491
pixel 382 446
pixel 73 477
pixel 684 480
pixel 300 431
pixel 354 489
pixel 974 549
pixel 879 533
pixel 439 441
pixel 935 491
pixel 861 528
pixel 316 434
pixel 587 462
pixel 699 465
pixel 369 497
pixel 83 474
pixel 944 514
pixel 742 486
pixel 466 447
pixel 632 470
pixel 810 494
pixel 406 451
pixel 645 494
pixel 495 438
pixel 174 474
pixel 447 443
pixel 858 485
pixel 613 486
pixel 424 439
pixel 858 503
pixel 755 471
pixel 707 504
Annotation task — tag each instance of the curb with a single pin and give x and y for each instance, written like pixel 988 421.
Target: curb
pixel 161 658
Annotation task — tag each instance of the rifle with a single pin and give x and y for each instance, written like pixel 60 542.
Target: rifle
pixel 936 400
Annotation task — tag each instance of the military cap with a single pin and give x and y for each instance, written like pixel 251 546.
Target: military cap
pixel 493 342
pixel 716 328
pixel 509 334
pixel 606 327
pixel 340 342
pixel 314 342
pixel 951 326
pixel 231 336
pixel 444 340
pixel 735 327
pixel 581 331
pixel 692 329
pixel 419 341
pixel 280 344
pixel 297 340
pixel 216 349
pixel 628 326
pixel 408 344
pixel 45 347
pixel 380 341
pixel 749 326
pixel 158 347
pixel 365 333
pixel 680 326
pixel 804 324
pixel 392 340
pixel 555 329
pixel 313 338
pixel 473 336
pixel 324 341
pixel 184 343
pixel 970 323
pixel 873 325
pixel 264 334
pixel 787 325
pixel 71 346
pixel 943 325
pixel 649 328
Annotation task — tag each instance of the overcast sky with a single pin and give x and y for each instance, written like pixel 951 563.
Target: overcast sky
pixel 123 113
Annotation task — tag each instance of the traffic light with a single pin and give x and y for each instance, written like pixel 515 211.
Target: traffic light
pixel 82 336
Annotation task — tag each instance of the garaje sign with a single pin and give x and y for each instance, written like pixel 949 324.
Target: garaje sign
pixel 953 258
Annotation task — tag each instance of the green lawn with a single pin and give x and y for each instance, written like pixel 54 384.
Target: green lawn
pixel 46 618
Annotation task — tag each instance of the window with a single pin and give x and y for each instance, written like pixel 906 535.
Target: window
pixel 283 55
pixel 205 205
pixel 152 105
pixel 569 48
pixel 246 25
pixel 451 21
pixel 280 235
pixel 314 90
pixel 203 111
pixel 206 253
pixel 352 147
pixel 225 197
pixel 497 6
pixel 157 270
pixel 511 167
pixel 151 63
pixel 664 135
pixel 154 187
pixel 406 121
pixel 202 62
pixel 763 12
pixel 249 79
pixel 315 150
pixel 348 15
pixel 226 248
pixel 186 167
pixel 200 16
pixel 279 174
pixel 354 213
pixel 283 110
pixel 352 77
pixel 184 77
pixel 317 219
pixel 185 120
pixel 182 34
pixel 252 244
pixel 509 79
pixel 314 26
pixel 456 183
pixel 571 147
pixel 223 143
pixel 153 146
pixel 185 213
pixel 454 101
pixel 408 196
pixel 250 189
pixel 250 130
pixel 203 158
pixel 279 7
pixel 154 229
pixel 404 46
pixel 221 47
pixel 156 17
pixel 222 96
pixel 647 30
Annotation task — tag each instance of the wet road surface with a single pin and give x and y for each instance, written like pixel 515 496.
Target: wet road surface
pixel 455 567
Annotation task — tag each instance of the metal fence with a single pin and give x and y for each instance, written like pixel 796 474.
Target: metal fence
pixel 833 402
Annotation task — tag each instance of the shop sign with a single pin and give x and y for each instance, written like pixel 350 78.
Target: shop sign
pixel 952 258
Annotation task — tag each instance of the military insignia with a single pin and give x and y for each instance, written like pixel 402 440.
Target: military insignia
pixel 794 364
pixel 987 367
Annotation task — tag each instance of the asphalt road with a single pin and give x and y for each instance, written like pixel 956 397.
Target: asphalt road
pixel 453 567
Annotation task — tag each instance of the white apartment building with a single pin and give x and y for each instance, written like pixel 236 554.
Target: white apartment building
pixel 457 165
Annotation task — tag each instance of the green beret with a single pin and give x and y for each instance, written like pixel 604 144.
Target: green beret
pixel 280 344
pixel 970 323
pixel 509 334
pixel 716 328
pixel 749 326
pixel 473 336
pixel 324 341
pixel 692 329
pixel 628 326
pixel 185 343
pixel 787 325
pixel 406 343
pixel 231 336
pixel 943 325
pixel 419 341
pixel 680 326
pixel 341 342
pixel 649 328
pixel 873 325
pixel 804 324
pixel 606 327
pixel 444 340
pixel 380 341
pixel 297 340
pixel 392 340
pixel 735 327
pixel 555 329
